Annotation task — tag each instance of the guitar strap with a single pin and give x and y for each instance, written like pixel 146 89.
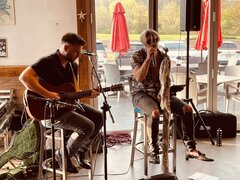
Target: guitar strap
pixel 76 85
pixel 77 89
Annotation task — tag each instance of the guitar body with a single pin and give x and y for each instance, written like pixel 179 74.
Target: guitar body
pixel 37 107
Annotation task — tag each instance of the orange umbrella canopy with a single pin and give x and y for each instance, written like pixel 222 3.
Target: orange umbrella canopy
pixel 202 38
pixel 119 31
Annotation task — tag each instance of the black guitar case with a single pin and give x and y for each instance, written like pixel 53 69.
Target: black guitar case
pixel 225 121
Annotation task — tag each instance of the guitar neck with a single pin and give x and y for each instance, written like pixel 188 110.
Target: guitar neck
pixel 81 94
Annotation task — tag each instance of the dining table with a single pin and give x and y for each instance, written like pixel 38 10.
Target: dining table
pixel 203 79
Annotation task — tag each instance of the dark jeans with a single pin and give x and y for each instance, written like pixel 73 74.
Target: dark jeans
pixel 146 103
pixel 86 124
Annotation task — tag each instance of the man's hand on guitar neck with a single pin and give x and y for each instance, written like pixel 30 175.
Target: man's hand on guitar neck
pixel 95 93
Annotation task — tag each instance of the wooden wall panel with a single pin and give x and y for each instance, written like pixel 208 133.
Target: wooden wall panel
pixel 86 28
pixel 9 80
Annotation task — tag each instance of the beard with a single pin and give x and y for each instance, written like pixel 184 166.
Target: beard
pixel 69 58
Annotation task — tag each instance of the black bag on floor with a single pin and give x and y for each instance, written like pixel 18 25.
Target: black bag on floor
pixel 225 121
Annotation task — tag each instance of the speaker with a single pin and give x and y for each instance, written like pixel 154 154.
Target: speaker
pixel 190 15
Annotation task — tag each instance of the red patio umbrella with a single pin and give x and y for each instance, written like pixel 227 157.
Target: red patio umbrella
pixel 202 38
pixel 120 40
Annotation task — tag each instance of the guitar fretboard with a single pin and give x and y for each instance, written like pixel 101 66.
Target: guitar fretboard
pixel 81 94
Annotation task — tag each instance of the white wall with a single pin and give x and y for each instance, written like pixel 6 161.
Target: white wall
pixel 39 27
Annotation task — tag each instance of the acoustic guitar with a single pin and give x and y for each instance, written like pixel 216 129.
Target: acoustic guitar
pixel 38 107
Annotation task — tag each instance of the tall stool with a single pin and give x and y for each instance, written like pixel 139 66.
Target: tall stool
pixel 140 117
pixel 46 133
pixel 45 164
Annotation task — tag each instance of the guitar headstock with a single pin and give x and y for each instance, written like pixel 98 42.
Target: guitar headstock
pixel 116 87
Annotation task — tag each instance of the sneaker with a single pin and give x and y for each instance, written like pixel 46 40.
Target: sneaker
pixel 81 157
pixel 154 159
pixel 70 167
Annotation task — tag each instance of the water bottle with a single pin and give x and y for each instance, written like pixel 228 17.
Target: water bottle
pixel 219 137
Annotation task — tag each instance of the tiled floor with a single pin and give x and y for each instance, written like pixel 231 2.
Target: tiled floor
pixel 225 167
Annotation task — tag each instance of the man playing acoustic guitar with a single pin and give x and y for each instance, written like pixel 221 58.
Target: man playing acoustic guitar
pixel 57 69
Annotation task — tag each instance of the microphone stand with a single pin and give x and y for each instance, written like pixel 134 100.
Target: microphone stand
pixel 105 107
pixel 51 105
pixel 189 100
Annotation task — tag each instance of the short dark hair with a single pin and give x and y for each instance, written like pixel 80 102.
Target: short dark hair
pixel 73 39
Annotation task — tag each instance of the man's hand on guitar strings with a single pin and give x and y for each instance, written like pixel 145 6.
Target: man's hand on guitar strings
pixel 53 96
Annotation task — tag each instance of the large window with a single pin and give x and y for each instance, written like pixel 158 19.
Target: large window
pixel 136 13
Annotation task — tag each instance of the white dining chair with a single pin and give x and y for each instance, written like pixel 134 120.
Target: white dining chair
pixel 202 68
pixel 232 89
pixel 112 76
pixel 197 95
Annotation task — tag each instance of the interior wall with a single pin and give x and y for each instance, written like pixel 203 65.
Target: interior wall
pixel 39 26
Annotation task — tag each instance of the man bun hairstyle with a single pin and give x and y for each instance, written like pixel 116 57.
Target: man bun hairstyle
pixel 73 39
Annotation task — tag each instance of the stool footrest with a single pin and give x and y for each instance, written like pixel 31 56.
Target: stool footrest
pixel 46 165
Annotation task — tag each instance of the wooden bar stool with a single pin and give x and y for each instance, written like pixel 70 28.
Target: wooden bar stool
pixel 142 118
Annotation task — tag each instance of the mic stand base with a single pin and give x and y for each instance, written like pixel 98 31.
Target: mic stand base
pixel 200 119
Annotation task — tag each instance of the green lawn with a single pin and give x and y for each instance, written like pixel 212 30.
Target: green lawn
pixel 182 35
pixel 135 37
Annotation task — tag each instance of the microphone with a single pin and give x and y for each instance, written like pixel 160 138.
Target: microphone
pixel 153 60
pixel 165 49
pixel 88 53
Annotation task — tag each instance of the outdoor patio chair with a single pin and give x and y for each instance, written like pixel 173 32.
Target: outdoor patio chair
pixel 197 95
pixel 232 89
pixel 112 76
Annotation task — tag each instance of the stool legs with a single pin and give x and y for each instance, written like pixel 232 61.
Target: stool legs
pixel 90 172
pixel 145 142
pixel 134 138
pixel 64 170
pixel 43 164
pixel 174 130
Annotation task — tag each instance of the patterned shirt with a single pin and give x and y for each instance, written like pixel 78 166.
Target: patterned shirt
pixel 151 84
